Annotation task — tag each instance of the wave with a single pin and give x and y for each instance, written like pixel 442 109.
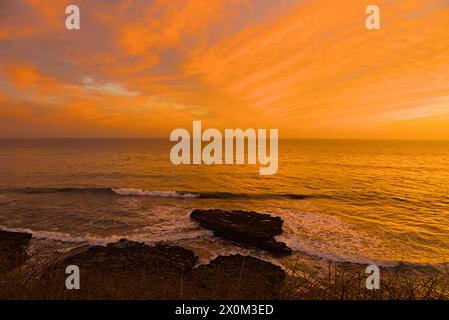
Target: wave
pixel 54 236
pixel 262 196
pixel 168 194
pixel 68 241
pixel 50 235
pixel 164 194
pixel 56 190
pixel 215 195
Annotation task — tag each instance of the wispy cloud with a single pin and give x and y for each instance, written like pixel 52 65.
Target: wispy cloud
pixel 109 87
pixel 307 67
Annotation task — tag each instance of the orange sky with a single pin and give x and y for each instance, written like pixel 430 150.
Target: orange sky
pixel 143 68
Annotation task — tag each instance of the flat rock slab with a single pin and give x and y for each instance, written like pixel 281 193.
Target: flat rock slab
pixel 245 227
pixel 13 249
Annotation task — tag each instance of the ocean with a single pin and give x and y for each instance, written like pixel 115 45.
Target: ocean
pixel 382 202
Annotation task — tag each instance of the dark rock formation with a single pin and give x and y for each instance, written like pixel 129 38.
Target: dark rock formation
pixel 245 227
pixel 13 249
pixel 238 277
pixel 132 270
pixel 121 270
pixel 129 256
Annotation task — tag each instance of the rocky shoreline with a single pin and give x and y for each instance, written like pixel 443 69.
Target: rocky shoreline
pixel 134 270
pixel 165 272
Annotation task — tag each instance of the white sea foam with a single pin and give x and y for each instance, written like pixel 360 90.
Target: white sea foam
pixel 50 235
pixel 164 194
pixel 162 227
pixel 329 238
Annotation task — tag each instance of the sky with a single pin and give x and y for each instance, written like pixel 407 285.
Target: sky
pixel 309 68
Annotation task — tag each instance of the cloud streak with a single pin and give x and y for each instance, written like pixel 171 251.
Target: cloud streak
pixel 309 68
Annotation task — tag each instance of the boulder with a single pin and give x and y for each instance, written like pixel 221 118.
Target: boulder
pixel 133 270
pixel 121 270
pixel 13 249
pixel 238 277
pixel 245 227
pixel 128 256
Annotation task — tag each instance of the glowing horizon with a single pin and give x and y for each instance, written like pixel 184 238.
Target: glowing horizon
pixel 309 68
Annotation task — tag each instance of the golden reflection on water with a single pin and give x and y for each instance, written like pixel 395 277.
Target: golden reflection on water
pixel 348 200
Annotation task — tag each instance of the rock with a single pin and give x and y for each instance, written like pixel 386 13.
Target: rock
pixel 245 227
pixel 122 270
pixel 238 277
pixel 129 256
pixel 13 249
pixel 133 270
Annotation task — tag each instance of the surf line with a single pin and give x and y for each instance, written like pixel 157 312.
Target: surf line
pixel 212 153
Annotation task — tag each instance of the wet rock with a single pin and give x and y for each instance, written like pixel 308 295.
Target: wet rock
pixel 238 277
pixel 245 227
pixel 13 249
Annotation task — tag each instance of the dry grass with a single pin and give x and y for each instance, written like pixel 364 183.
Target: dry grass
pixel 348 283
pixel 335 283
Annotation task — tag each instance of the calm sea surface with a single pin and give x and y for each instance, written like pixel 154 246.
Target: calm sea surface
pixel 354 201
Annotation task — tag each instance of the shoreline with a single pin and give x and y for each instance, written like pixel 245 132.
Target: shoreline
pixel 62 242
pixel 121 270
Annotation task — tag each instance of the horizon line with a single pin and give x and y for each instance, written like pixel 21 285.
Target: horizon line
pixel 168 138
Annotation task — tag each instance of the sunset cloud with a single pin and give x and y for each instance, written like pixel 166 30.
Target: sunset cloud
pixel 108 87
pixel 143 68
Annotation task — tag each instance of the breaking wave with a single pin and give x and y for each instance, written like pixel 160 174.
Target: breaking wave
pixel 168 194
pixel 164 194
